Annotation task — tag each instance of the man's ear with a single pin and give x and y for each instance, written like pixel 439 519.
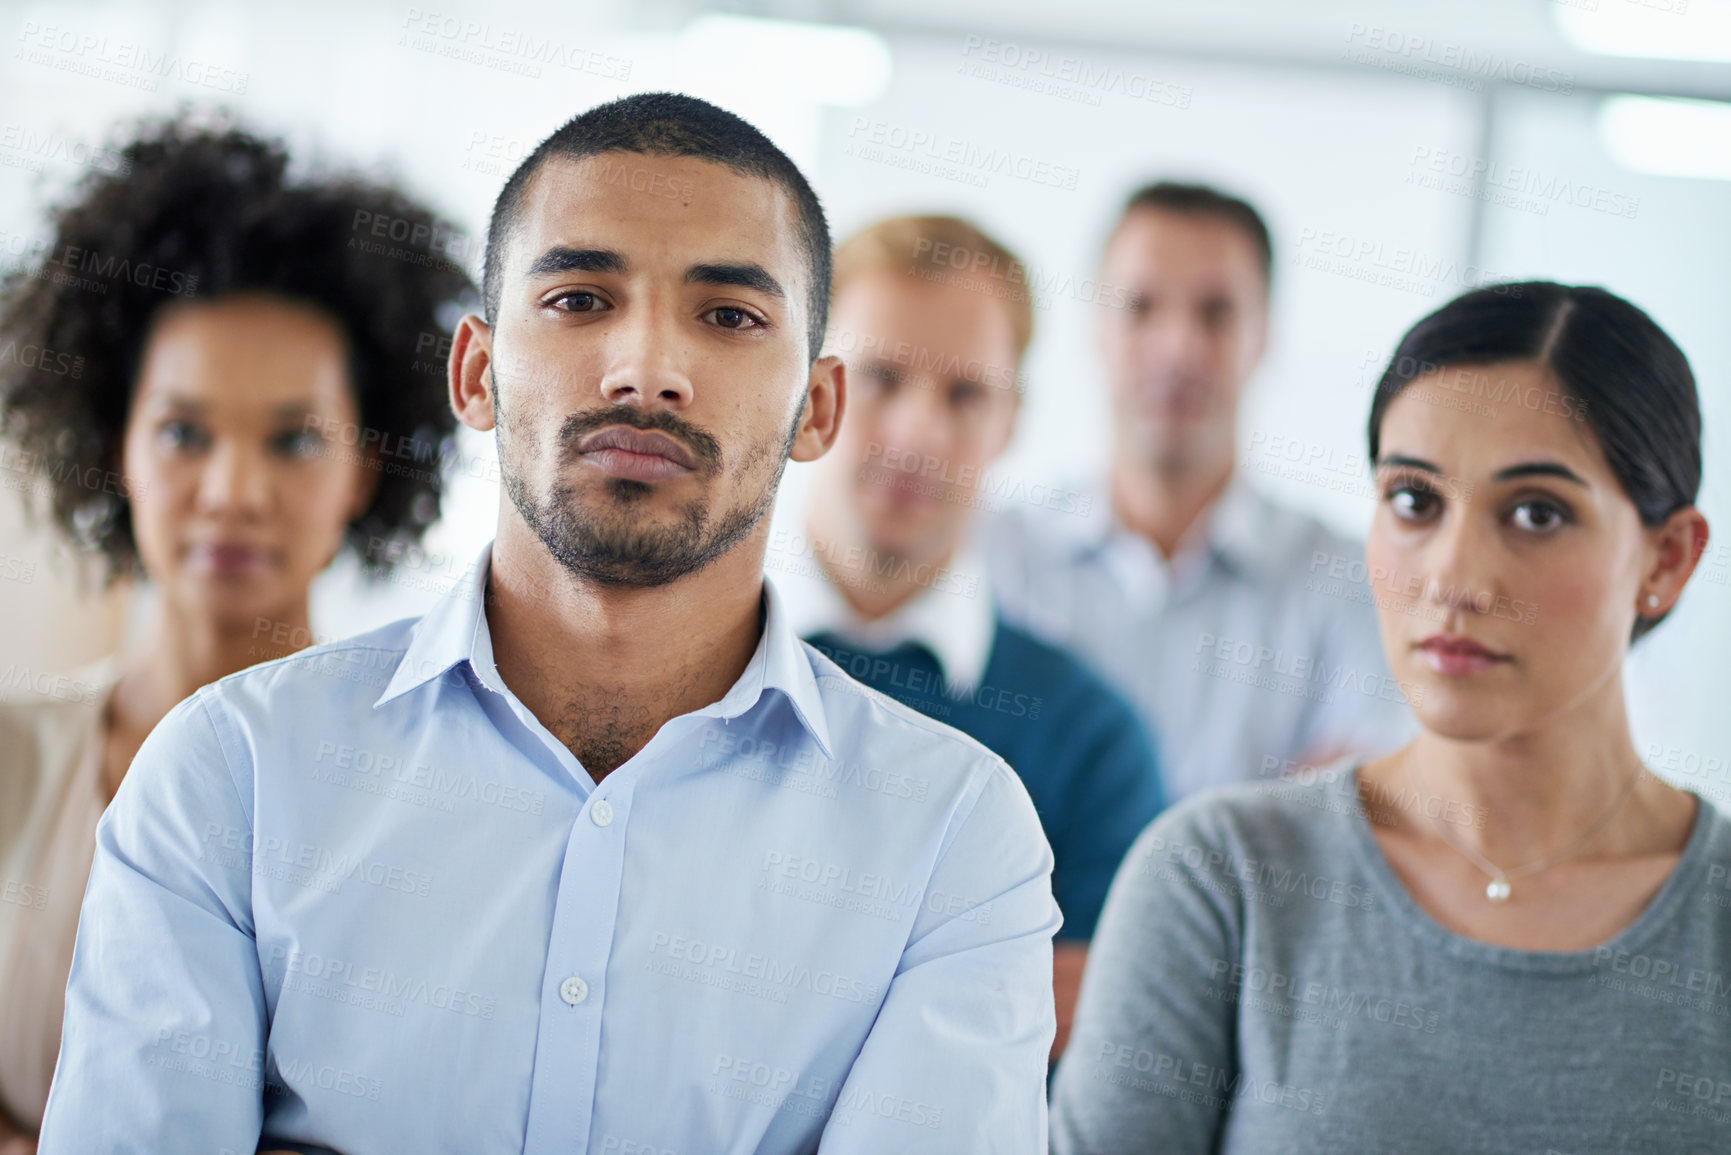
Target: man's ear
pixel 1260 346
pixel 471 373
pixel 1005 427
pixel 825 399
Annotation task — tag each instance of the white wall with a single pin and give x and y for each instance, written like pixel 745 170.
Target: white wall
pixel 1672 258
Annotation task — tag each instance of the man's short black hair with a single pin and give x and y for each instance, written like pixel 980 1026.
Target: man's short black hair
pixel 1205 200
pixel 669 124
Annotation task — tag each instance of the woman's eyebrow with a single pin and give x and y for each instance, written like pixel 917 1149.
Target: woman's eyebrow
pixel 164 398
pixel 1396 460
pixel 1509 473
pixel 1539 469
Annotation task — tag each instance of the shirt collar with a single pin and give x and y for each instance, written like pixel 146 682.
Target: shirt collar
pixel 1241 531
pixel 1236 529
pixel 958 626
pixel 455 631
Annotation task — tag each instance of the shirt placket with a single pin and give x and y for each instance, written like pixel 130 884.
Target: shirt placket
pixel 573 985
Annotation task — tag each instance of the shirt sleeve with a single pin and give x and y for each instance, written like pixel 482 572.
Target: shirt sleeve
pixel 1113 793
pixel 1153 1038
pixel 163 1043
pixel 956 1061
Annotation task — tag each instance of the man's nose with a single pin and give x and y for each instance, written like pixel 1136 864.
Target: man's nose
pixel 913 421
pixel 645 365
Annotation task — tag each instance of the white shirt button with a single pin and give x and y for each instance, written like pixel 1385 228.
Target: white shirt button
pixel 573 990
pixel 602 812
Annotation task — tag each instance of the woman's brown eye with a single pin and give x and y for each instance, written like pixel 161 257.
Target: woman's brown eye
pixel 1411 503
pixel 1537 516
pixel 298 443
pixel 182 435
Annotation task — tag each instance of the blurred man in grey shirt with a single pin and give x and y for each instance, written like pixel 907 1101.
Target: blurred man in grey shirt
pixel 1244 632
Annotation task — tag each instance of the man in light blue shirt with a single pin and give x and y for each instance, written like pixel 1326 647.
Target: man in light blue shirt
pixel 1241 630
pixel 597 856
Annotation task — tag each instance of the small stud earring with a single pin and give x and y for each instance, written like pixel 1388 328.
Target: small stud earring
pixel 1652 601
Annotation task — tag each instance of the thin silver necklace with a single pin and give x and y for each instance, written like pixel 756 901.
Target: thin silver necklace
pixel 1498 889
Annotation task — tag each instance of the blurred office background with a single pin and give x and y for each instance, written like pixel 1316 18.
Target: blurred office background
pixel 1402 150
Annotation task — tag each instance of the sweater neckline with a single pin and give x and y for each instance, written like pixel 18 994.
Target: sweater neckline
pixel 1653 918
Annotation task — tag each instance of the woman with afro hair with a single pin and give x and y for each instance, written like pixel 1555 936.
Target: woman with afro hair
pixel 228 380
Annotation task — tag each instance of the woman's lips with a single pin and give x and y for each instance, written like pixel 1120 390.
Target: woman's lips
pixel 1455 655
pixel 229 558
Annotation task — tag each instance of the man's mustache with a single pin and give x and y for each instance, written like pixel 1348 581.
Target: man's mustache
pixel 704 447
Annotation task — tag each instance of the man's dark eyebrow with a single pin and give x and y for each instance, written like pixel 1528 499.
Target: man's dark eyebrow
pixel 747 276
pixel 561 259
pixel 1539 469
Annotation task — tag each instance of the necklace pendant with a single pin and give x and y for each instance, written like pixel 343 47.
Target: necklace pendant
pixel 1497 890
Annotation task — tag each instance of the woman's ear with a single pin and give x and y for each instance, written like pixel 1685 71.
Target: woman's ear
pixel 371 467
pixel 1676 548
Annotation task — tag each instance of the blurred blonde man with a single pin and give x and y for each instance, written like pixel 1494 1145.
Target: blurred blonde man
pixel 932 317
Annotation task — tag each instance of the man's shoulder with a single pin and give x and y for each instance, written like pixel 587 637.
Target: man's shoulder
pixel 1045 532
pixel 1294 544
pixel 867 723
pixel 1310 573
pixel 1071 688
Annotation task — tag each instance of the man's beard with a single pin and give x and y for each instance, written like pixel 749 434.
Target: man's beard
pixel 607 545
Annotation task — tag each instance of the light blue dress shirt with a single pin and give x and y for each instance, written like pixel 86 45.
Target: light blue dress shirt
pixel 1252 651
pixel 360 899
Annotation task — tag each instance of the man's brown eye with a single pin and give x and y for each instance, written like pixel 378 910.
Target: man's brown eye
pixel 880 376
pixel 732 318
pixel 577 302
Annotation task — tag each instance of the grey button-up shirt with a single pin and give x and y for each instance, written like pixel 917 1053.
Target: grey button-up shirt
pixel 1253 648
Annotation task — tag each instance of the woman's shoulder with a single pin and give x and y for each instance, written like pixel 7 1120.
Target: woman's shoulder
pixel 46 720
pixel 1228 845
pixel 39 703
pixel 1714 821
pixel 1282 815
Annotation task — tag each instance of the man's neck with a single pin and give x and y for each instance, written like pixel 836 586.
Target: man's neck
pixel 603 667
pixel 1166 504
pixel 873 590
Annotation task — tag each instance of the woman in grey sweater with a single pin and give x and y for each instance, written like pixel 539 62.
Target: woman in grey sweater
pixel 1507 936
